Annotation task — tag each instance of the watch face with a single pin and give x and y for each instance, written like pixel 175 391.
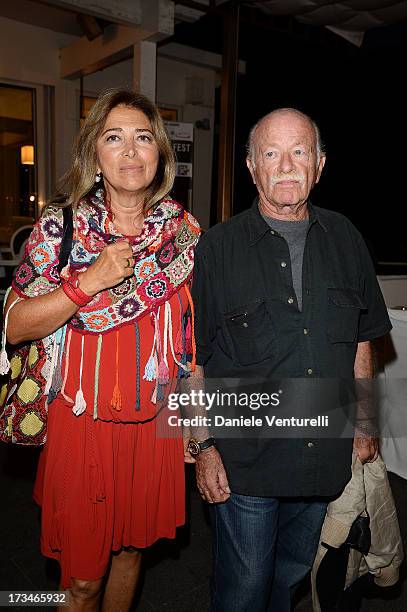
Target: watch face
pixel 194 447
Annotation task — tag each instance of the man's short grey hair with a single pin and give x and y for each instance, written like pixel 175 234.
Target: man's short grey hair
pixel 250 142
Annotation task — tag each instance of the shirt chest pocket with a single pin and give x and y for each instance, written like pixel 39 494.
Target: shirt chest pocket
pixel 250 333
pixel 344 307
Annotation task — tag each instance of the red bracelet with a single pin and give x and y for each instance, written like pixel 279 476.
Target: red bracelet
pixel 72 290
pixel 73 280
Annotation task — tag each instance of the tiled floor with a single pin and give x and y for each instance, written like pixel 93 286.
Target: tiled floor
pixel 176 574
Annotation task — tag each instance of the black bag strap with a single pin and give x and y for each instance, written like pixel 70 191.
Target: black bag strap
pixel 67 238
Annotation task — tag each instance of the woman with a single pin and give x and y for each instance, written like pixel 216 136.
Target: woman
pixel 107 482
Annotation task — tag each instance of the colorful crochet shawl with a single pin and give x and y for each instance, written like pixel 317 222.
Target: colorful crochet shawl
pixel 163 253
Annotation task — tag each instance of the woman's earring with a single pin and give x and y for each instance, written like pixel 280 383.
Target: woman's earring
pixel 98 177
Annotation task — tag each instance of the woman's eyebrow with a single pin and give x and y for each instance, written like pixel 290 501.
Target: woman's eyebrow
pixel 118 129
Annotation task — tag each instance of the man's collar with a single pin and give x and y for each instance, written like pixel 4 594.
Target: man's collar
pixel 258 226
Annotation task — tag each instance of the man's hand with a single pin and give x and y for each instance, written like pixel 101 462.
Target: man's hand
pixel 366 447
pixel 211 477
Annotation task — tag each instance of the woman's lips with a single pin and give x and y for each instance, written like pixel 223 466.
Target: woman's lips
pixel 130 168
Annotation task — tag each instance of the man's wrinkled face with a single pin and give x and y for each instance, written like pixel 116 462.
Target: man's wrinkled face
pixel 283 164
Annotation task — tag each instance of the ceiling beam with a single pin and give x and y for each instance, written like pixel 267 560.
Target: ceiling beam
pixel 125 12
pixel 117 42
pixel 84 57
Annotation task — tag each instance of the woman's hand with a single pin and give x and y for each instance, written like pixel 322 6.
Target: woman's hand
pixel 46 313
pixel 114 264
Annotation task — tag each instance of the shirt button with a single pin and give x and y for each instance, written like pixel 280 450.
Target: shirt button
pixel 310 371
pixel 305 331
pixel 245 324
pixel 283 264
pixel 290 300
pixel 310 445
pixel 272 232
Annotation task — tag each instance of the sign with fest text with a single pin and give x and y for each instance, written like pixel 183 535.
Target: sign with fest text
pixel 182 139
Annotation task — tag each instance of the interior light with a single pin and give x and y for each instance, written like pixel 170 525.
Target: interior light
pixel 27 155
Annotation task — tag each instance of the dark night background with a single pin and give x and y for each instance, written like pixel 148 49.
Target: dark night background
pixel 356 95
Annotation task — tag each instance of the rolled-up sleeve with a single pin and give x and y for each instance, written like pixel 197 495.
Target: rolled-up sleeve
pixel 374 320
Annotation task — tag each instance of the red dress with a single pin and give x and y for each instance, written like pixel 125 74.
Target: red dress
pixel 114 481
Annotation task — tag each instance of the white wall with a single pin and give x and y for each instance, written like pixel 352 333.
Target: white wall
pixel 119 75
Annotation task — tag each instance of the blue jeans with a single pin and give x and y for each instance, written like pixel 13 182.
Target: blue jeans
pixel 263 547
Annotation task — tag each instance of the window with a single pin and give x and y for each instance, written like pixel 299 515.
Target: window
pixel 18 163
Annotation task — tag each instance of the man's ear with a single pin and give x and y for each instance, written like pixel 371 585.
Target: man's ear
pixel 251 167
pixel 321 165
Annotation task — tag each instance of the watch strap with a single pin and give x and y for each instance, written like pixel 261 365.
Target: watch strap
pixel 206 443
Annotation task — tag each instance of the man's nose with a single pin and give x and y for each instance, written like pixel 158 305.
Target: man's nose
pixel 286 162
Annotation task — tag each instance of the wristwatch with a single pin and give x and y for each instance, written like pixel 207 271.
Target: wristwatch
pixel 195 447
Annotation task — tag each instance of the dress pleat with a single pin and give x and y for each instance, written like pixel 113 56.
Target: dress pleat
pixel 103 486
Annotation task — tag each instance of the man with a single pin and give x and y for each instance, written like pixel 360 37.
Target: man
pixel 283 290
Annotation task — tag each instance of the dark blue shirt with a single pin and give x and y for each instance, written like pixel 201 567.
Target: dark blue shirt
pixel 248 324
